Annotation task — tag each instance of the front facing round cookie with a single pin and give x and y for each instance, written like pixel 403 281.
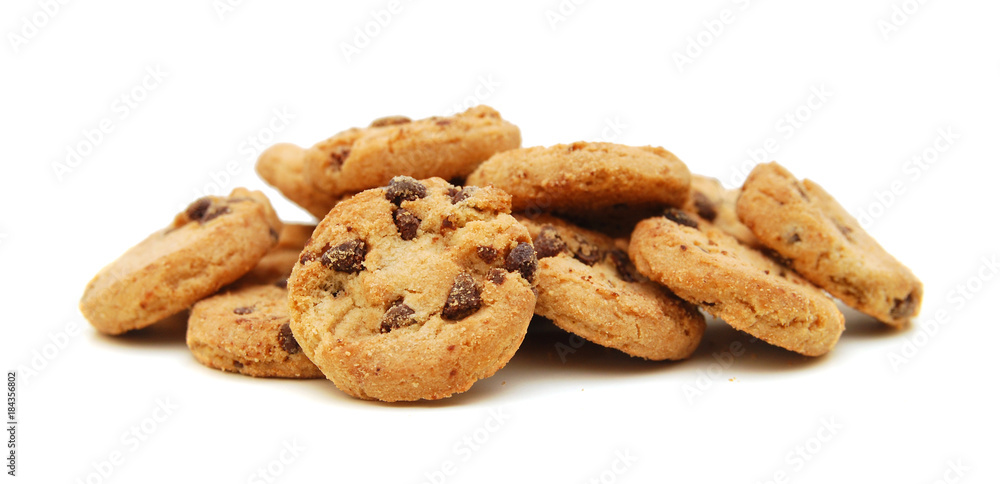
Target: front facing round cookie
pixel 414 291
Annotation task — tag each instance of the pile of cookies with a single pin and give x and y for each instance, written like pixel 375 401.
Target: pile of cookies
pixel 439 240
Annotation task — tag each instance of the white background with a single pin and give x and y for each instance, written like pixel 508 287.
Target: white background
pixel 608 69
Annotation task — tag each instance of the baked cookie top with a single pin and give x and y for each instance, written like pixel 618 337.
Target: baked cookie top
pixel 246 331
pixel 581 178
pixel 449 147
pixel 588 286
pixel 804 224
pixel 739 285
pixel 283 167
pixel 210 244
pixel 414 290
pixel 716 204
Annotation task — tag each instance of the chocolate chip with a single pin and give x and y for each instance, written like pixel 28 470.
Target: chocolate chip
pixel 283 283
pixel 346 257
pixel 287 340
pixel 497 276
pixel 460 195
pixel 447 224
pixel 403 188
pixel 522 259
pixel 684 247
pixel 794 238
pixel 625 269
pixel 198 208
pixel 587 252
pixel 389 121
pixel 306 257
pixel 237 365
pixel 243 310
pixel 548 243
pixel 406 223
pixel 487 254
pixel 680 217
pixel 338 154
pixel 706 209
pixel 903 308
pixel 464 299
pixel 398 316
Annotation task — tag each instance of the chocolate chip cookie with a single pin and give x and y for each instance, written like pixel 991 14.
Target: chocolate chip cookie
pixel 739 285
pixel 584 178
pixel 414 290
pixel 804 224
pixel 210 244
pixel 283 167
pixel 246 331
pixel 277 264
pixel 362 158
pixel 714 203
pixel 588 286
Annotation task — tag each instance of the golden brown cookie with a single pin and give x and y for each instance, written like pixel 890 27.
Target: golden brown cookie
pixel 212 243
pixel 362 158
pixel 584 178
pixel 282 166
pixel 739 285
pixel 714 203
pixel 804 224
pixel 277 264
pixel 415 290
pixel 588 286
pixel 246 331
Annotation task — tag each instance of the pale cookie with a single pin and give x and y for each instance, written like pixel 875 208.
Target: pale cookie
pixel 588 286
pixel 584 178
pixel 714 203
pixel 246 331
pixel 824 243
pixel 362 158
pixel 282 166
pixel 276 266
pixel 739 285
pixel 414 291
pixel 212 243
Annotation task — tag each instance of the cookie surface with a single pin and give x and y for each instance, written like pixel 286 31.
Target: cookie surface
pixel 246 331
pixel 582 177
pixel 414 291
pixel 362 158
pixel 277 264
pixel 716 204
pixel 803 223
pixel 588 286
pixel 739 285
pixel 212 243
pixel 283 167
